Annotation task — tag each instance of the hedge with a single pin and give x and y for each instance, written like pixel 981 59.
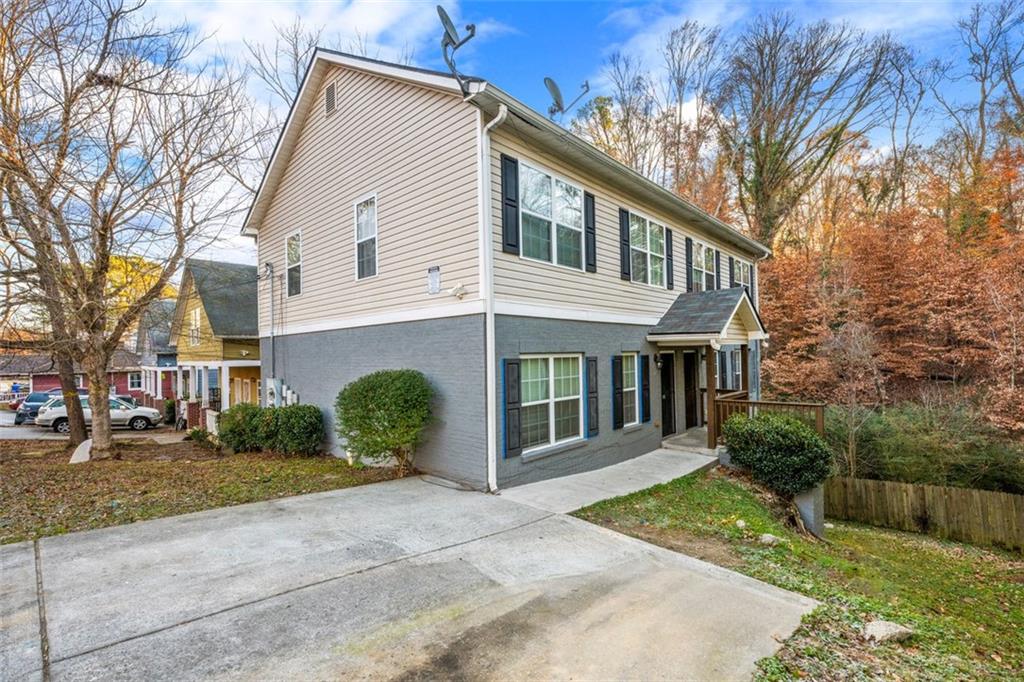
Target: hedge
pixel 780 451
pixel 292 429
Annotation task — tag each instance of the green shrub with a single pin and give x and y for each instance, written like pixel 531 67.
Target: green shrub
pixel 170 411
pixel 238 428
pixel 780 451
pixel 382 415
pixel 942 444
pixel 201 437
pixel 300 429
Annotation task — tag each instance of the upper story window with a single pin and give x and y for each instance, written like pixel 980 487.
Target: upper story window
pixel 193 327
pixel 552 400
pixel 630 394
pixel 646 251
pixel 293 263
pixel 743 274
pixel 703 267
pixel 366 237
pixel 551 218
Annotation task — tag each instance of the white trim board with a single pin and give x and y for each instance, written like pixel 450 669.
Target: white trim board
pixel 469 307
pixel 517 309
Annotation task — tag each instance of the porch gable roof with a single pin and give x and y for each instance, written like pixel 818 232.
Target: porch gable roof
pixel 716 316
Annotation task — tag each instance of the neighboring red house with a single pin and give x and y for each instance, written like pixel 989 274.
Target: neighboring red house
pixel 39 372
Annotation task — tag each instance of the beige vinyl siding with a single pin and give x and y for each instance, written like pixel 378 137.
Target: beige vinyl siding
pixel 210 347
pixel 412 146
pixel 736 331
pixel 525 281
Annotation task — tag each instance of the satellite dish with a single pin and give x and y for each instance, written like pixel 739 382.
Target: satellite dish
pixel 557 103
pixel 451 42
pixel 451 35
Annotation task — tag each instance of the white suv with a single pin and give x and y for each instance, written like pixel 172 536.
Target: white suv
pixel 54 414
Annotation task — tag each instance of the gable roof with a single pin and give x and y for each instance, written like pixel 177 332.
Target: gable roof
pixel 489 98
pixel 228 294
pixel 155 323
pixel 23 364
pixel 708 314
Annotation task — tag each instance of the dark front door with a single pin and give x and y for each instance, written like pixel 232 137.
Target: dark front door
pixel 690 392
pixel 668 394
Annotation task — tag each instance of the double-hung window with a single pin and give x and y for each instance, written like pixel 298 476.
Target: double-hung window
pixel 630 393
pixel 293 263
pixel 646 251
pixel 135 381
pixel 366 237
pixel 703 267
pixel 552 400
pixel 551 218
pixel 193 328
pixel 743 271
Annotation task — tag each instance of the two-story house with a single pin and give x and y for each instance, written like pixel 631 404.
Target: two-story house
pixel 569 312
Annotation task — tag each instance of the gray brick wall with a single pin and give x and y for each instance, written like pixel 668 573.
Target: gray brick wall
pixel 449 351
pixel 521 335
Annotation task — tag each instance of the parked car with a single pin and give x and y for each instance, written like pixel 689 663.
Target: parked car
pixel 55 415
pixel 26 412
pixel 127 399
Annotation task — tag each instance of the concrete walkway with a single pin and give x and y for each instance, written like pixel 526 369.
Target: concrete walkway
pixel 400 580
pixel 569 493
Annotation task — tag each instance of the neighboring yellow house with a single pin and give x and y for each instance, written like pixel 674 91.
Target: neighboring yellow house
pixel 215 334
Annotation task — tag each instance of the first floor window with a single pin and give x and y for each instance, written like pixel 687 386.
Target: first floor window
pixel 551 218
pixel 366 238
pixel 703 267
pixel 293 263
pixel 646 251
pixel 552 400
pixel 737 369
pixel 135 381
pixel 630 394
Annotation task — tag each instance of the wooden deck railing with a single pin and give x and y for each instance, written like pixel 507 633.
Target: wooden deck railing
pixel 728 404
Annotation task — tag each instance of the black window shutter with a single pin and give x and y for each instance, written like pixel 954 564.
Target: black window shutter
pixel 617 392
pixel 624 244
pixel 645 386
pixel 513 447
pixel 670 263
pixel 509 204
pixel 723 374
pixel 592 398
pixel 753 285
pixel 689 264
pixel 732 272
pixel 718 269
pixel 590 231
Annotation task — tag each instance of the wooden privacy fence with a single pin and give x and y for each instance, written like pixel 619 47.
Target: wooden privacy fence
pixel 977 516
pixel 812 414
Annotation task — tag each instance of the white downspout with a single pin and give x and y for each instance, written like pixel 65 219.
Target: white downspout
pixel 487 291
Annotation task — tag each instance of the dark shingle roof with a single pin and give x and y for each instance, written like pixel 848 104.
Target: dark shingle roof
pixel 700 312
pixel 23 364
pixel 228 292
pixel 156 322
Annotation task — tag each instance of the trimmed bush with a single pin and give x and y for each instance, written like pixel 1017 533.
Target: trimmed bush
pixel 300 429
pixel 238 428
pixel 170 411
pixel 382 415
pixel 780 451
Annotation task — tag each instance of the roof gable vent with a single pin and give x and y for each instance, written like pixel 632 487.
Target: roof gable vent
pixel 330 99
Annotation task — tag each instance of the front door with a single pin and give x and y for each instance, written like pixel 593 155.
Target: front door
pixel 668 394
pixel 690 388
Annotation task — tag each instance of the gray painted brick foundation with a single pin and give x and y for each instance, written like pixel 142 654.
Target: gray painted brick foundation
pixel 517 336
pixel 449 351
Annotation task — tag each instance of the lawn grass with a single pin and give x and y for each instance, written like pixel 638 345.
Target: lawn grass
pixel 41 494
pixel 965 604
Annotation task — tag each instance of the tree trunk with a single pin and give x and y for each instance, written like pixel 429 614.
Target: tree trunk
pixel 99 404
pixel 68 386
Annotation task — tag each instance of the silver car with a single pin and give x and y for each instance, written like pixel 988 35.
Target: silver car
pixel 54 414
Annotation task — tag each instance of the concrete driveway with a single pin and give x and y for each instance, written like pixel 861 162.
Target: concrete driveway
pixel 403 580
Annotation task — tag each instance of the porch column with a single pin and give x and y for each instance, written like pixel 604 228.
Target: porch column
pixel 193 374
pixel 206 386
pixel 145 381
pixel 745 369
pixel 710 358
pixel 159 385
pixel 225 387
pixel 178 393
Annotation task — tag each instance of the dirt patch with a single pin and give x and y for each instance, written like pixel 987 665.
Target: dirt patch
pixel 711 549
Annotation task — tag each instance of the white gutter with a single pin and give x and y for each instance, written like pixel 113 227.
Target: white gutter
pixel 486 256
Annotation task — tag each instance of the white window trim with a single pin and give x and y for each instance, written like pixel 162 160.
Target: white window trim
pixel 701 267
pixel 740 264
pixel 554 224
pixel 195 324
pixel 357 241
pixel 551 400
pixel 287 267
pixel 737 369
pixel 635 389
pixel 663 255
pixel 134 381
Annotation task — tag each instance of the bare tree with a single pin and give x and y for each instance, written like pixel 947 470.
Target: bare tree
pixel 792 98
pixel 120 157
pixel 282 67
pixel 852 351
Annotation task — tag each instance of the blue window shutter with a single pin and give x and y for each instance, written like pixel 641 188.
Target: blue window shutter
pixel 689 264
pixel 645 387
pixel 513 399
pixel 718 269
pixel 732 272
pixel 509 204
pixel 624 263
pixel 592 398
pixel 617 413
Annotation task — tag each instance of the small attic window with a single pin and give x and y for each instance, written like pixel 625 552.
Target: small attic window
pixel 329 99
